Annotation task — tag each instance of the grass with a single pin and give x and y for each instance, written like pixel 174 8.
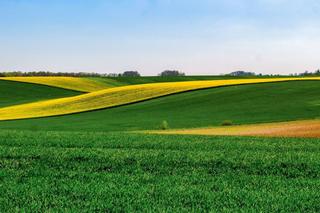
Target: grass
pixel 14 93
pixel 70 83
pixel 79 171
pixel 244 104
pixel 119 96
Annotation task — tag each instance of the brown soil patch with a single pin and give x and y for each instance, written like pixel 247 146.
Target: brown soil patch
pixel 303 129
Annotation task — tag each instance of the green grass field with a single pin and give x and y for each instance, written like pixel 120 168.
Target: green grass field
pixel 90 162
pixel 74 171
pixel 244 104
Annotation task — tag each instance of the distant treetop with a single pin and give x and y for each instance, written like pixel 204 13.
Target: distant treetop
pixel 242 73
pixel 171 73
pixel 130 74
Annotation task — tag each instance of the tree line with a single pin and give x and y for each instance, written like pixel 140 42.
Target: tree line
pixel 85 74
pixel 165 73
pixel 307 73
pixel 47 73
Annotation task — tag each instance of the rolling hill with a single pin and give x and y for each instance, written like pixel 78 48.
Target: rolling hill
pixel 89 162
pixel 244 104
pixel 14 93
pixel 118 96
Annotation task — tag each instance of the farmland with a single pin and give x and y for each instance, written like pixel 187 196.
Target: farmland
pixel 14 93
pixel 127 172
pixel 243 104
pixel 119 96
pixel 103 157
pixel 71 83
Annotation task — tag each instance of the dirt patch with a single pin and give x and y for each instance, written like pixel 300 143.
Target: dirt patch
pixel 303 129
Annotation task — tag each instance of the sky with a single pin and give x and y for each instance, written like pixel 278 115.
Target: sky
pixel 198 37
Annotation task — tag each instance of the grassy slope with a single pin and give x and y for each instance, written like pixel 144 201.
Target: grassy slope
pixel 100 172
pixel 242 104
pixel 12 93
pixel 119 96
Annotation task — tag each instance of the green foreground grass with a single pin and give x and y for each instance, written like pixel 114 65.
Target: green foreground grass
pixel 73 172
pixel 13 93
pixel 245 104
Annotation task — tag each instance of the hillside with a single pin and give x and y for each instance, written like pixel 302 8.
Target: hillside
pixel 68 161
pixel 14 93
pixel 118 96
pixel 70 83
pixel 242 104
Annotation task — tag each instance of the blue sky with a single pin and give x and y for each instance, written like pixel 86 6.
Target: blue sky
pixel 194 36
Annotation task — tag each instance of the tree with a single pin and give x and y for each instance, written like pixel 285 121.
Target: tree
pixel 131 74
pixel 171 73
pixel 242 73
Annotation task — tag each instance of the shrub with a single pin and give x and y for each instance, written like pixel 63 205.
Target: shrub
pixel 164 125
pixel 227 123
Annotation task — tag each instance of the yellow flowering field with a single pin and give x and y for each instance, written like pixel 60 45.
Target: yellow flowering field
pixel 118 96
pixel 73 83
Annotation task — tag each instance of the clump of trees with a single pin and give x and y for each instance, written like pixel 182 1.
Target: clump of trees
pixel 130 74
pixel 307 73
pixel 242 73
pixel 169 73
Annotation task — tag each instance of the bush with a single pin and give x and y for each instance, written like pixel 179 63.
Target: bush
pixel 227 123
pixel 164 125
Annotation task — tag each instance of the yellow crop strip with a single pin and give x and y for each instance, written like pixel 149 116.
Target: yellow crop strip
pixel 72 83
pixel 118 96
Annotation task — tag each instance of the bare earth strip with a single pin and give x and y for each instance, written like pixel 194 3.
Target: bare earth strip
pixel 119 96
pixel 303 129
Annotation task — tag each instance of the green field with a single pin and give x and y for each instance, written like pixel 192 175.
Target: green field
pixel 91 162
pixel 77 171
pixel 12 93
pixel 244 104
